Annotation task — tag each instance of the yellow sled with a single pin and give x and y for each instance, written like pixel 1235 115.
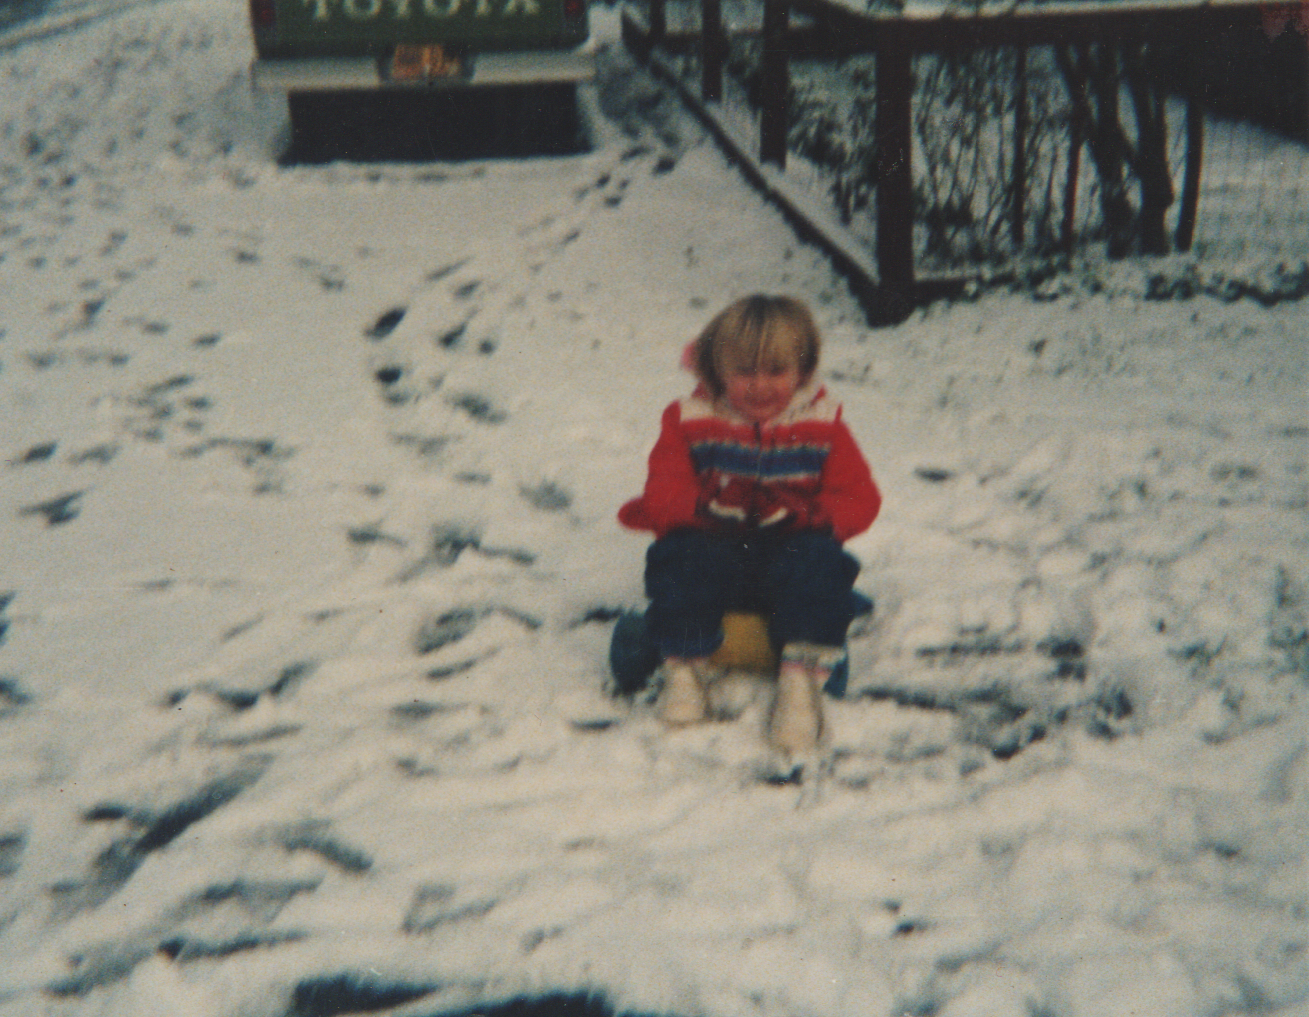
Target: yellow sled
pixel 746 646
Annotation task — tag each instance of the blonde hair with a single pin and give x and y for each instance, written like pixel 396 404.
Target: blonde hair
pixel 758 331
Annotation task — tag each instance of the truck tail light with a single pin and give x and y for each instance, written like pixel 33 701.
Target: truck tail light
pixel 574 9
pixel 263 13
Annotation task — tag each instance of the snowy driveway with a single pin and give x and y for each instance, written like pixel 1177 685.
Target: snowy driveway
pixel 309 484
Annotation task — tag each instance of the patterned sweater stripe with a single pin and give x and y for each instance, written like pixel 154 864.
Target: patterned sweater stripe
pixel 801 462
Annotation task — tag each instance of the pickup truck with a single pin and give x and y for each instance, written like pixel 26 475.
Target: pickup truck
pixel 332 46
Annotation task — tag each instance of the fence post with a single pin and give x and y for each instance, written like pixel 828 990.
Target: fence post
pixel 1018 208
pixel 711 50
pixel 774 84
pixel 895 191
pixel 1186 215
pixel 1068 227
pixel 658 22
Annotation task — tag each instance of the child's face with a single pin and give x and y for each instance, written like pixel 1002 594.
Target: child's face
pixel 760 392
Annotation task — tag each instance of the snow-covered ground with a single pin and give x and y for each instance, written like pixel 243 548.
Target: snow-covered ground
pixel 309 481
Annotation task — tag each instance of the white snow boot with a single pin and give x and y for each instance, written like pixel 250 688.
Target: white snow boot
pixel 797 720
pixel 683 700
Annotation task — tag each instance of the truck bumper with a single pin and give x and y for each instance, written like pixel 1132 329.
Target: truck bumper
pixel 531 67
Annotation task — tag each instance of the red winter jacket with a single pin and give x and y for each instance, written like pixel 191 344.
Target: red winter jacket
pixel 803 467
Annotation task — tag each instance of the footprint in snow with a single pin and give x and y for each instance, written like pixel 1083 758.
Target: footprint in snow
pixel 261 456
pixel 450 338
pixel 600 183
pixel 329 277
pixel 37 454
pixel 546 496
pixel 388 378
pixel 478 407
pixel 418 709
pixel 386 323
pixel 594 726
pixel 149 831
pixel 401 387
pixel 11 852
pixel 444 630
pixel 601 614
pixel 12 695
pixel 426 447
pixel 313 836
pixel 101 454
pixel 90 309
pixel 437 274
pixel 245 739
pixel 449 541
pixel 287 680
pixel 149 326
pixel 242 900
pixel 372 533
pixel 615 198
pixel 260 900
pixel 43 359
pixel 112 243
pixel 440 674
pixel 184 949
pixel 56 511
pixel 433 906
pixel 352 993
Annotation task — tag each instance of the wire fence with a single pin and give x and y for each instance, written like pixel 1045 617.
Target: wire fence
pixel 980 114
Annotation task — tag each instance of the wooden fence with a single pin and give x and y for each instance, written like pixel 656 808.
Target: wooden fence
pixel 827 29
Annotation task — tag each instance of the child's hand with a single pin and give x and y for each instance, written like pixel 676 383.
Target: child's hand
pixel 775 518
pixel 732 503
pixel 785 510
pixel 727 513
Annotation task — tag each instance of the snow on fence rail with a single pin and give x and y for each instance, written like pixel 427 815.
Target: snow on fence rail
pixel 950 143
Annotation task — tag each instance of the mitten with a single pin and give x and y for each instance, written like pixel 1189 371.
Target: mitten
pixel 785 510
pixel 730 503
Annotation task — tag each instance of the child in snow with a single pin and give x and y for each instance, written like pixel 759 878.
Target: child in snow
pixel 754 484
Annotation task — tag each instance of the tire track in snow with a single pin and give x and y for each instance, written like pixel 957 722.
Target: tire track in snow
pixel 223 710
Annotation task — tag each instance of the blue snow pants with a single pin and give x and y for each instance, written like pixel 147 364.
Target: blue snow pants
pixel 801 582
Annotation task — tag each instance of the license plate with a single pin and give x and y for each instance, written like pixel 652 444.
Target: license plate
pixel 424 62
